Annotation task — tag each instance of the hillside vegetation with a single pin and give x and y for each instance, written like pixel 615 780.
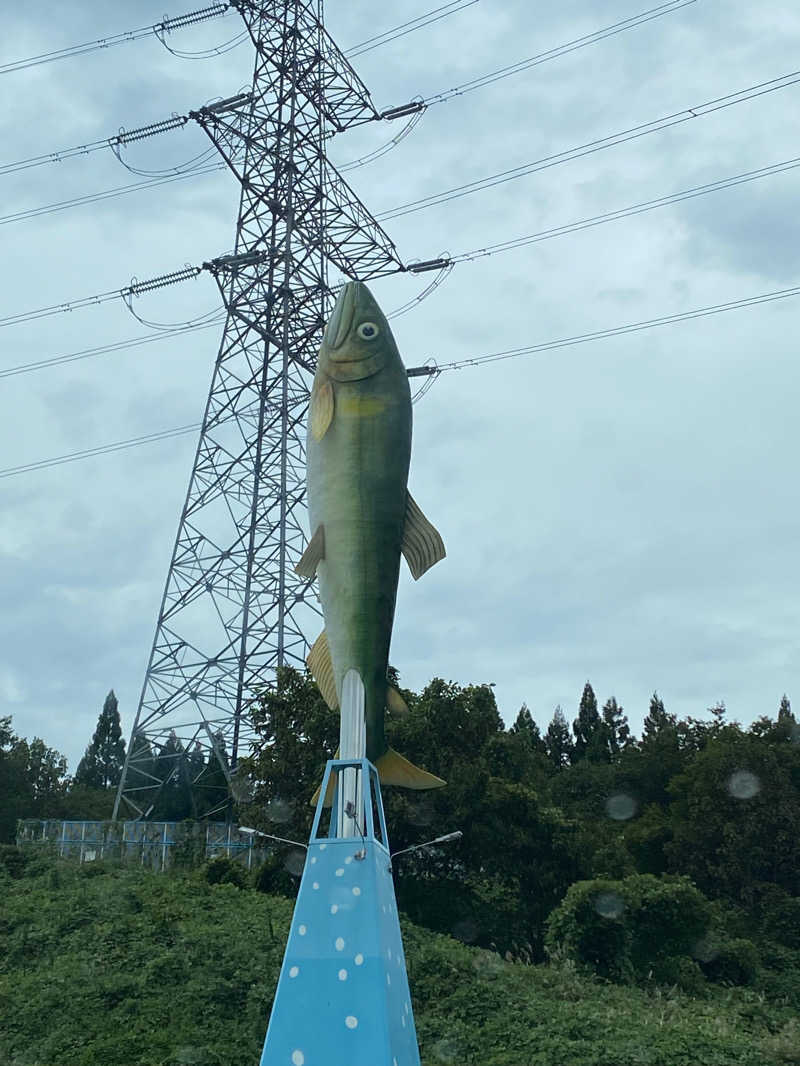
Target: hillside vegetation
pixel 121 967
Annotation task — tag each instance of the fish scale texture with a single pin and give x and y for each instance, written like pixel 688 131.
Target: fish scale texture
pixel 343 996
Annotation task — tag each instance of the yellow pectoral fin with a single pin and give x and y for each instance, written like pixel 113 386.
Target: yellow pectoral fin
pixel 313 555
pixel 321 409
pixel 393 769
pixel 422 545
pixel 321 667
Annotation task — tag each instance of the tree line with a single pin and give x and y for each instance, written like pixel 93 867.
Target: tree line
pixel 541 811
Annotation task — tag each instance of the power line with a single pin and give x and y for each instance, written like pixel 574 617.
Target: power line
pixel 404 28
pixel 627 212
pixel 480 184
pixel 610 141
pixel 617 331
pixel 178 121
pixel 117 446
pixel 103 349
pixel 159 29
pixel 169 25
pixel 560 50
pixel 107 194
pixel 447 261
pixel 436 369
pixel 136 288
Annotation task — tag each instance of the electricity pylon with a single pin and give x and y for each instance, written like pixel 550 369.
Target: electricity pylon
pixel 233 609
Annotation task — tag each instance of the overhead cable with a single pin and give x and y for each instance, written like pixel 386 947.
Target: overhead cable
pixel 136 288
pixel 610 141
pixel 558 51
pixel 698 111
pixel 618 331
pixel 159 29
pixel 404 28
pixel 117 446
pixel 627 212
pixel 494 179
pixel 178 121
pixel 106 194
pixel 103 349
pixel 433 370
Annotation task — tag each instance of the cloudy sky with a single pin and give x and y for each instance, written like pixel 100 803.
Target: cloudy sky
pixel 624 510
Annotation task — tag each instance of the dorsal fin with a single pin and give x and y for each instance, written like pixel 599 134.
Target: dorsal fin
pixel 422 545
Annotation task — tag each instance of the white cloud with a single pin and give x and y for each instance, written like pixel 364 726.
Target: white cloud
pixel 623 510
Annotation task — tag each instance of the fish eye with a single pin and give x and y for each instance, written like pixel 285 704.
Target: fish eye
pixel 367 331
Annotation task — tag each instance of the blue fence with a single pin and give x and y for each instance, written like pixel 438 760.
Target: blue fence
pixel 152 844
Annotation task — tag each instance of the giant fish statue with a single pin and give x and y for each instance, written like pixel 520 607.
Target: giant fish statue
pixel 362 519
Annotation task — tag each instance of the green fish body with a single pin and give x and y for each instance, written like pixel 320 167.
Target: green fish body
pixel 362 517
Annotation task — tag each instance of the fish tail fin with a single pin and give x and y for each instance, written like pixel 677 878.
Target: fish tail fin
pixel 393 769
pixel 330 790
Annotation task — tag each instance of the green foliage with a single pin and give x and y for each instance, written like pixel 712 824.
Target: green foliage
pixel 137 969
pixel 558 740
pixel 12 860
pixel 733 962
pixel 101 765
pixel 32 780
pixel 274 879
pixel 735 812
pixel 224 871
pixel 631 929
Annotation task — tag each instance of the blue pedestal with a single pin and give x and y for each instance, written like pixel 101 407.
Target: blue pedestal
pixel 343 996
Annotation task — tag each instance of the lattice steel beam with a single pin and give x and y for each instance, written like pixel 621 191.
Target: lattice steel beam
pixel 233 609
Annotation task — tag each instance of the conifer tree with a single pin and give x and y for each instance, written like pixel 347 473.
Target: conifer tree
pixel 785 710
pixel 657 718
pixel 525 726
pixel 617 730
pixel 589 729
pixel 558 740
pixel 101 765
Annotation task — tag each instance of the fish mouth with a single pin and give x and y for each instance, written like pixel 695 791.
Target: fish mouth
pixel 342 317
pixel 354 300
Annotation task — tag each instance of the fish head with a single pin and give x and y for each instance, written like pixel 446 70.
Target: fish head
pixel 358 342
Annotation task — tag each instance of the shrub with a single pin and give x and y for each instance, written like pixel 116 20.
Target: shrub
pixel 13 861
pixel 224 871
pixel 632 929
pixel 781 919
pixel 735 962
pixel 274 879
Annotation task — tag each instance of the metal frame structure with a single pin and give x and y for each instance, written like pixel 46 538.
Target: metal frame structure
pixel 233 609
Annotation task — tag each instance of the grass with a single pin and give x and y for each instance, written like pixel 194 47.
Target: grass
pixel 120 967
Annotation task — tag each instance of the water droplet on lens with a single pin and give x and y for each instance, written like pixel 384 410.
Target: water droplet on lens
pixel 445 1051
pixel 278 810
pixel 466 931
pixel 706 949
pixel 294 862
pixel 621 806
pixel 488 965
pixel 743 785
pixel 609 905
pixel 420 811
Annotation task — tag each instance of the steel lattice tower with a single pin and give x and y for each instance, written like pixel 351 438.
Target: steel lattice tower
pixel 233 609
